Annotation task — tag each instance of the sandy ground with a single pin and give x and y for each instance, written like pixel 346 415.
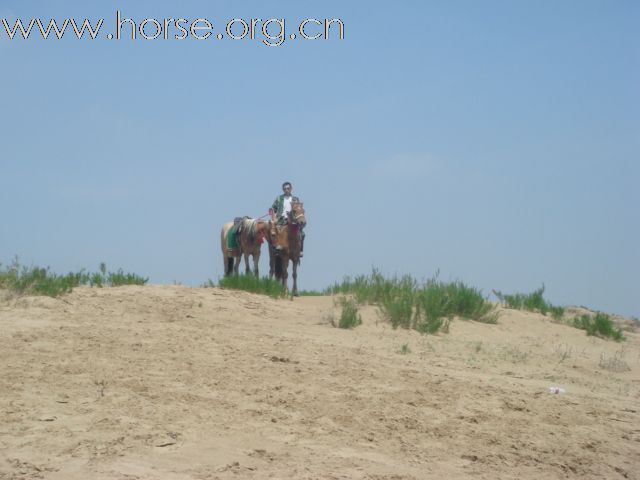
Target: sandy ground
pixel 170 382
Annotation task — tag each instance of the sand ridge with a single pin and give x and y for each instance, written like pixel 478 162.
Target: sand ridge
pixel 172 382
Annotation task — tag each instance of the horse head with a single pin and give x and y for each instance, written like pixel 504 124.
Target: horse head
pixel 296 216
pixel 262 230
pixel 276 234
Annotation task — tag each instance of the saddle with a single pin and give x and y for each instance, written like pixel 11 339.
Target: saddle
pixel 234 231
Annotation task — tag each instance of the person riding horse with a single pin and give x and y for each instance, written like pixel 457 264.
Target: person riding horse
pixel 282 208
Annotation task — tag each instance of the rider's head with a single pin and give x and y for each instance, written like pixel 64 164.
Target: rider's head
pixel 286 188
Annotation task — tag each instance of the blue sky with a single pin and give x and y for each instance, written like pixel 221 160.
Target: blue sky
pixel 494 141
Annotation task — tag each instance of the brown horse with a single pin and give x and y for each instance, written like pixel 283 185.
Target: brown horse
pixel 252 234
pixel 285 244
pixel 248 240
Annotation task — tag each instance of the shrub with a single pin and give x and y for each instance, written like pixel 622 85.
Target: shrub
pixel 599 325
pixel 396 298
pixel 119 277
pixel 38 281
pixel 349 317
pixel 365 289
pixel 557 313
pixel 427 307
pixel 533 302
pixel 310 293
pixel 468 302
pixel 438 302
pixel 41 281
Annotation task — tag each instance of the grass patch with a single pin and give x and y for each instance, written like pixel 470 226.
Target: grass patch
pixel 427 307
pixel 396 300
pixel 514 354
pixel 557 313
pixel 533 302
pixel 22 280
pixel 366 289
pixel 440 300
pixel 563 351
pixel 616 363
pixel 113 279
pixel 349 317
pixel 37 281
pixel 251 283
pixel 599 325
pixel 311 293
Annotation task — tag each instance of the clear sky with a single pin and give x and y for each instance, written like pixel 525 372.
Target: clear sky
pixel 494 141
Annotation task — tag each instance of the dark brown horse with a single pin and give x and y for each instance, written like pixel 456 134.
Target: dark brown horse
pixel 285 243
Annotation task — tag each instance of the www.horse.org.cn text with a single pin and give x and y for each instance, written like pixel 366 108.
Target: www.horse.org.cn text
pixel 271 32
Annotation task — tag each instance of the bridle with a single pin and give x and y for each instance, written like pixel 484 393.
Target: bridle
pixel 295 218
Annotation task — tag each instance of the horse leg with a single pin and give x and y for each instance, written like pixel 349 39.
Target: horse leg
pixel 236 265
pixel 256 260
pixel 229 264
pixel 272 263
pixel 246 264
pixel 294 274
pixel 285 274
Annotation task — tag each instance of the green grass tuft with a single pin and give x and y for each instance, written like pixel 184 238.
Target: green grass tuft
pixel 253 284
pixel 448 299
pixel 396 299
pixel 119 277
pixel 349 317
pixel 557 313
pixel 599 325
pixel 533 302
pixel 23 280
pixel 311 293
pixel 427 307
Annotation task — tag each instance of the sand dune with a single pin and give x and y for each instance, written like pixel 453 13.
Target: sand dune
pixel 170 382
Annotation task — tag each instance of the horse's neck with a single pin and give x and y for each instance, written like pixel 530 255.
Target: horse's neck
pixel 293 233
pixel 284 235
